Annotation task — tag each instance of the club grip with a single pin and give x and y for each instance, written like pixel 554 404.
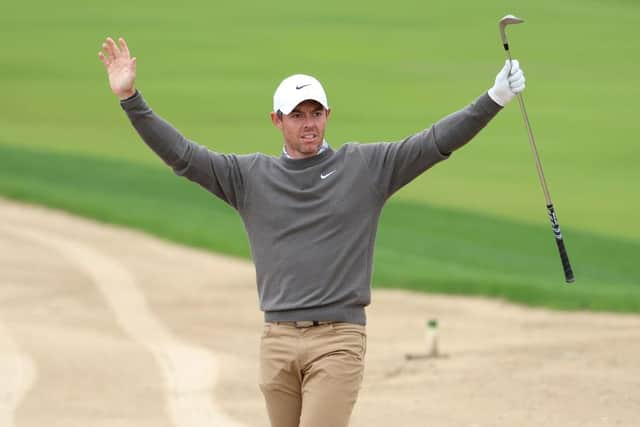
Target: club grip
pixel 566 265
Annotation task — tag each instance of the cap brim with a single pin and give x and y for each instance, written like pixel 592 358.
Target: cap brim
pixel 286 109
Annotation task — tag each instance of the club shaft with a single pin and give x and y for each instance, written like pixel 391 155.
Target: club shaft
pixel 532 143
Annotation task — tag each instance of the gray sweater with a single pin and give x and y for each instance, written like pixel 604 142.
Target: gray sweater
pixel 311 222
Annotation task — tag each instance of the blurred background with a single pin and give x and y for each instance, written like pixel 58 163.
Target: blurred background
pixel 475 224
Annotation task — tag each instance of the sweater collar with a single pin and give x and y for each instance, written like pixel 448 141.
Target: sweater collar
pixel 324 152
pixel 322 148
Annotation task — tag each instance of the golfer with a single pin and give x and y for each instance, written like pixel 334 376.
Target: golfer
pixel 311 216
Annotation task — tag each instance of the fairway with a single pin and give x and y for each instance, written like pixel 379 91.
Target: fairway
pixel 475 224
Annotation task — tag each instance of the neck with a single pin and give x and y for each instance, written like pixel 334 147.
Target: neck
pixel 297 156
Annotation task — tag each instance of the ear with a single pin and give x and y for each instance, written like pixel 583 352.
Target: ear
pixel 328 110
pixel 277 121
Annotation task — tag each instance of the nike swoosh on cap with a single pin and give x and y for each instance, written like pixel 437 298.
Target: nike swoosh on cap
pixel 300 87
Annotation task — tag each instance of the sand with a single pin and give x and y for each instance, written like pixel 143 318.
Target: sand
pixel 104 326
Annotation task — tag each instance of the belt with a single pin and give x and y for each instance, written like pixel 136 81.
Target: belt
pixel 306 323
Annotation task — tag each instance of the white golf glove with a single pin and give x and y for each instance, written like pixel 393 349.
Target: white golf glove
pixel 507 84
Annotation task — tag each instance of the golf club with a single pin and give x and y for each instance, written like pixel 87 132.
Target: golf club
pixel 568 272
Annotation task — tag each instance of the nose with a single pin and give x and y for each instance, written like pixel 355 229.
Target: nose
pixel 308 122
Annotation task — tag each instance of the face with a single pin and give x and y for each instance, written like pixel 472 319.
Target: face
pixel 303 128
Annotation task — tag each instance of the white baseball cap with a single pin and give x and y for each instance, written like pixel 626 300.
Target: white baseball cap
pixel 295 89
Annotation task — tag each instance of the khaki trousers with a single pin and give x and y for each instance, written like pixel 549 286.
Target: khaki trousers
pixel 310 377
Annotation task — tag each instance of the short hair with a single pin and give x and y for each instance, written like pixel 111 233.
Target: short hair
pixel 279 114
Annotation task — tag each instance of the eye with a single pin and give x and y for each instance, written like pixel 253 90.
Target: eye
pixel 295 115
pixel 317 113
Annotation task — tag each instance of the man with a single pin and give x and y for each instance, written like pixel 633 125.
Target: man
pixel 311 215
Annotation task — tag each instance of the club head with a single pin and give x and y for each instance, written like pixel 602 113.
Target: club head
pixel 508 20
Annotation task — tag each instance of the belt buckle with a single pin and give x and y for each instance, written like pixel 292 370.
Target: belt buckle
pixel 305 323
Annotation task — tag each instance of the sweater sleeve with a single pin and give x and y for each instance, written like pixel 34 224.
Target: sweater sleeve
pixel 221 174
pixel 398 163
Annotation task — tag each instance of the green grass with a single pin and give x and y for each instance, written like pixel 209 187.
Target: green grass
pixel 390 69
pixel 418 247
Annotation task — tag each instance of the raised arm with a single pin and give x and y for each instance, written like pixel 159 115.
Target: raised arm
pixel 221 174
pixel 396 164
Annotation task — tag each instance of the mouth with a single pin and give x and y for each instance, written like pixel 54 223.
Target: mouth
pixel 309 137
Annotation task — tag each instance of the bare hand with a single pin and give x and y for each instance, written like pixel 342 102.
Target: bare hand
pixel 120 67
